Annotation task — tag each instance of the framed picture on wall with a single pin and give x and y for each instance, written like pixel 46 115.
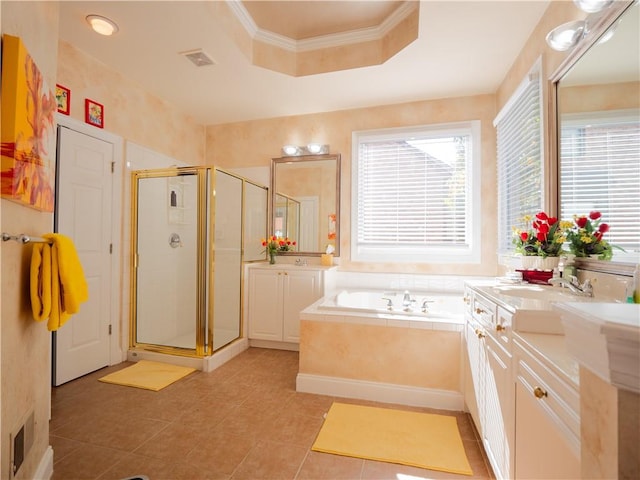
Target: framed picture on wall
pixel 63 97
pixel 27 130
pixel 93 113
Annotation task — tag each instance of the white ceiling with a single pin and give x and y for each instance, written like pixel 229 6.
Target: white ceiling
pixel 464 48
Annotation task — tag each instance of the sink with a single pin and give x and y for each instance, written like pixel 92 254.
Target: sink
pixel 540 292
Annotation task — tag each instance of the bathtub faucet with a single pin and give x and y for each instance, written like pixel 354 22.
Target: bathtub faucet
pixel 389 303
pixel 406 299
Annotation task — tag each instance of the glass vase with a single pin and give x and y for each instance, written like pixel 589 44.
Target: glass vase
pixel 272 258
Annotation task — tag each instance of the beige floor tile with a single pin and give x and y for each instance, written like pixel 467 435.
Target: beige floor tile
pixel 221 452
pixel 271 461
pixel 294 428
pixel 86 463
pixel 242 421
pixel 324 466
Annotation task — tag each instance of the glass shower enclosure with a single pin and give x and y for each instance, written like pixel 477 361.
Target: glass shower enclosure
pixel 189 230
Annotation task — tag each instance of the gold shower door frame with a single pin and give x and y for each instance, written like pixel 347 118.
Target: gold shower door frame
pixel 204 267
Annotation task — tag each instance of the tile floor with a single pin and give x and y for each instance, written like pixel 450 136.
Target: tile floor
pixel 242 421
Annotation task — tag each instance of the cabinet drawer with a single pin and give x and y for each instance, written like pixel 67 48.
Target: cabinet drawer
pixel 559 400
pixel 483 310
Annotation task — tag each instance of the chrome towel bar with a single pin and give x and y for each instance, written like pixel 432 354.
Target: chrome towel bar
pixel 22 238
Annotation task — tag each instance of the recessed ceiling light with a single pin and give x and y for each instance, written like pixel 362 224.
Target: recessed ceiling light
pixel 102 25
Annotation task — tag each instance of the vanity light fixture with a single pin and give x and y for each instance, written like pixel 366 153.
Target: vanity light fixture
pixel 592 6
pixel 567 35
pixel 102 25
pixel 290 150
pixel 314 148
pixel 309 149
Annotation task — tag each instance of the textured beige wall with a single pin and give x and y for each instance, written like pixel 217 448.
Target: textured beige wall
pixel 401 356
pixel 254 143
pixel 597 98
pixel 25 344
pixel 130 110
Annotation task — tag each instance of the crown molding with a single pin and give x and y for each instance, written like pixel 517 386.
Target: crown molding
pixel 323 41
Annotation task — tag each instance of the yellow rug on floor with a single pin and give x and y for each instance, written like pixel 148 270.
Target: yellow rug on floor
pixel 409 438
pixel 148 375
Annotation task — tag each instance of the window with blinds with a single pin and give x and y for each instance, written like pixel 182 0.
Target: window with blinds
pixel 413 193
pixel 600 170
pixel 519 159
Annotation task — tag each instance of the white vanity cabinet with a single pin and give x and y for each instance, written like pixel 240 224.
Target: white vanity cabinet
pixel 487 335
pixel 276 295
pixel 525 401
pixel 547 426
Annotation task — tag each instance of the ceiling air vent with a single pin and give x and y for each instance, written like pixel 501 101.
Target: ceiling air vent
pixel 198 57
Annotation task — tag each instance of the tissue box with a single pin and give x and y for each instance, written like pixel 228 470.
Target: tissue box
pixel 326 259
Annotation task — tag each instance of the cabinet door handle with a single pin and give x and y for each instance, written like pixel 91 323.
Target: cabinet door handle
pixel 480 311
pixel 479 333
pixel 500 328
pixel 466 299
pixel 539 392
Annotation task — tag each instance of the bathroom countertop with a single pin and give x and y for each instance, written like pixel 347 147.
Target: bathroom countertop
pixel 291 266
pixel 525 296
pixel 536 323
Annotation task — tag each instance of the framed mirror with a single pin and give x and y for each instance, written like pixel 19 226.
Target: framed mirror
pixel 305 200
pixel 598 128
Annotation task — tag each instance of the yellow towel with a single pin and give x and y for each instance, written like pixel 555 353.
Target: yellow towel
pixel 41 281
pixel 73 286
pixel 58 286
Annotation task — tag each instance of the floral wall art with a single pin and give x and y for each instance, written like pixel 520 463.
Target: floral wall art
pixel 28 129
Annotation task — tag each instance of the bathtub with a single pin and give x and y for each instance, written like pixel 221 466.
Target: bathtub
pixel 353 345
pixel 423 304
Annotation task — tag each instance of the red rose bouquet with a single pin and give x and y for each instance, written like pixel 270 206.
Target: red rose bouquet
pixel 544 238
pixel 585 238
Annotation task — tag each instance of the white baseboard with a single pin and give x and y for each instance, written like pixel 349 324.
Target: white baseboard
pixel 206 364
pixel 294 347
pixel 223 356
pixel 45 467
pixel 380 392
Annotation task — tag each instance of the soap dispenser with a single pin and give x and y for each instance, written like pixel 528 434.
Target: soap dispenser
pixel 633 296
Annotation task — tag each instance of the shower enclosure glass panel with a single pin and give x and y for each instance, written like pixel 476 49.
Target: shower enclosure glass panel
pixel 170 259
pixel 256 200
pixel 227 282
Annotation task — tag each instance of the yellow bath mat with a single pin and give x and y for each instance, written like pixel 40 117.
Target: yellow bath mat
pixel 409 438
pixel 148 375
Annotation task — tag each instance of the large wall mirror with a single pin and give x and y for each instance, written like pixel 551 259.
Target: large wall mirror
pixel 305 195
pixel 598 106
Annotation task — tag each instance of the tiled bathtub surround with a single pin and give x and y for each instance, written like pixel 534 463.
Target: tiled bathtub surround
pixel 400 282
pixel 407 359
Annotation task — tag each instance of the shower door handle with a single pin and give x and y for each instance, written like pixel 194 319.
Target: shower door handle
pixel 174 240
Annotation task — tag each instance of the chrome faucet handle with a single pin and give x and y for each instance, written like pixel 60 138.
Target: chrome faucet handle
pixel 587 287
pixel 389 303
pixel 424 305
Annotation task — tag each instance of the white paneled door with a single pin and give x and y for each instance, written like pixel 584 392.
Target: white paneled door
pixel 84 213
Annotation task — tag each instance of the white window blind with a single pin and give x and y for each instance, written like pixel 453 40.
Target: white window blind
pixel 519 151
pixel 413 194
pixel 600 170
